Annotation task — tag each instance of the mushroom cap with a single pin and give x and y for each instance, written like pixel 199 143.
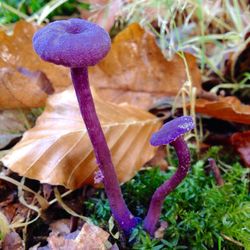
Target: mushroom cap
pixel 170 131
pixel 73 43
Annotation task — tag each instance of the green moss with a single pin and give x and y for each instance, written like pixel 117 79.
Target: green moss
pixel 200 214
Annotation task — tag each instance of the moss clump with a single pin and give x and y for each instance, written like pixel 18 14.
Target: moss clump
pixel 200 214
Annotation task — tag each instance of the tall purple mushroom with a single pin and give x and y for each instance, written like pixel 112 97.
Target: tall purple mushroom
pixel 171 133
pixel 77 44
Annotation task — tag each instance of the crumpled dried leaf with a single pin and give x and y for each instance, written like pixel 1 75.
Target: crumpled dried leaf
pixel 135 70
pixel 239 61
pixel 225 108
pixel 90 237
pixel 103 12
pixel 11 122
pixel 13 241
pixel 60 227
pixel 58 151
pixel 4 226
pixel 15 211
pixel 18 89
pixel 241 142
pixel 159 159
pixel 159 233
pixel 16 52
pixel 8 140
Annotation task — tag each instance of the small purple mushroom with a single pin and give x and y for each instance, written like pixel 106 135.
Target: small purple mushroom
pixel 77 44
pixel 171 133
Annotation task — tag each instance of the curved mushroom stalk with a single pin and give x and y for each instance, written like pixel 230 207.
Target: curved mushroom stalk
pixel 77 44
pixel 171 133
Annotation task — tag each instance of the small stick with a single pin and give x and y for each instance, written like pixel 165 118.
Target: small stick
pixel 73 223
pixel 216 171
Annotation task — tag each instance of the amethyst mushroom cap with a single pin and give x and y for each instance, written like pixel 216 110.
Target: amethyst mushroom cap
pixel 77 44
pixel 171 133
pixel 72 43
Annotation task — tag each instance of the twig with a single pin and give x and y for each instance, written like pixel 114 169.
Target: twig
pixel 216 171
pixel 232 240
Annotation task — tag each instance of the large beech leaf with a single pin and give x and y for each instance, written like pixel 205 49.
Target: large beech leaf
pixel 135 70
pixel 58 150
pixel 23 90
pixel 225 108
pixel 16 52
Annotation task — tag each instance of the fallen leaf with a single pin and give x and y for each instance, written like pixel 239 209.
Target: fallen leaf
pixel 22 90
pixel 13 241
pixel 241 142
pixel 58 151
pixel 47 191
pixel 225 108
pixel 135 70
pixel 238 62
pixel 159 159
pixel 159 233
pixel 8 140
pixel 11 122
pixel 90 237
pixel 102 12
pixel 16 52
pixel 60 227
pixel 15 212
pixel 4 226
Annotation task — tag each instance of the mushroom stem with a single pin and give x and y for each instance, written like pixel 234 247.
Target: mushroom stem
pixel 168 186
pixel 118 206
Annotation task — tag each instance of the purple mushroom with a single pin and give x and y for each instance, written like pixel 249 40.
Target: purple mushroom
pixel 77 44
pixel 171 133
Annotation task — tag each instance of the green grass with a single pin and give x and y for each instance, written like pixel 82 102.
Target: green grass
pixel 38 10
pixel 200 215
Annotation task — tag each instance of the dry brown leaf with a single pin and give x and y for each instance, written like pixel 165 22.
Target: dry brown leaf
pixel 60 227
pixel 16 52
pixel 58 151
pixel 225 108
pixel 23 90
pixel 241 142
pixel 11 122
pixel 90 237
pixel 13 241
pixel 135 70
pixel 8 140
pixel 159 233
pixel 238 62
pixel 15 211
pixel 159 159
pixel 103 12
